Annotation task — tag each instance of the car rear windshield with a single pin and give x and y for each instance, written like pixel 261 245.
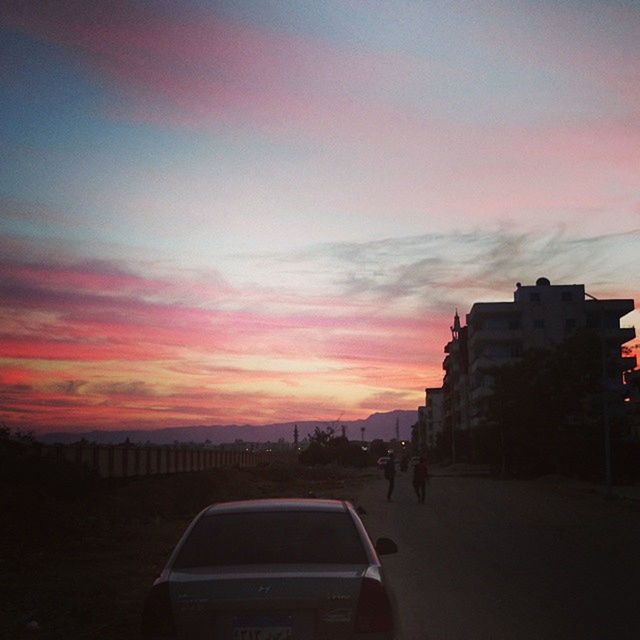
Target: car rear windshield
pixel 272 537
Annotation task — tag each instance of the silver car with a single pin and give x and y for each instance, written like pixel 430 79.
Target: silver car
pixel 285 569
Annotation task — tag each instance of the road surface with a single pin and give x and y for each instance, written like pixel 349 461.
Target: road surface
pixel 490 560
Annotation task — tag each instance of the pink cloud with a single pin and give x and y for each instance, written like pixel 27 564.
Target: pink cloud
pixel 89 276
pixel 97 343
pixel 203 71
pixel 209 67
pixel 125 355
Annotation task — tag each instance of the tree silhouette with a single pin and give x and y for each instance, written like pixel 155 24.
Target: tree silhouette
pixel 543 402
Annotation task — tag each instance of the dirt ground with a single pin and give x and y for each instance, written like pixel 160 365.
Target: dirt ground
pixel 77 563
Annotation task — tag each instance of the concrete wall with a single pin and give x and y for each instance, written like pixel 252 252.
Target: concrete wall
pixel 123 461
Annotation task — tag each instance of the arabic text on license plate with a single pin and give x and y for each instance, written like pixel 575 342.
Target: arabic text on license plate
pixel 262 633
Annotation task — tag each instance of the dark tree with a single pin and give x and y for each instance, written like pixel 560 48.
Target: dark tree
pixel 542 404
pixel 326 447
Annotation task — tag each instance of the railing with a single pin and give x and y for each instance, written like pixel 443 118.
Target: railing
pixel 122 461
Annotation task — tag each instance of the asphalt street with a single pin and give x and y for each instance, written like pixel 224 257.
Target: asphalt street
pixel 489 559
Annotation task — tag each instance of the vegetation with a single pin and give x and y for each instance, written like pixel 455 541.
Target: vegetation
pixel 326 447
pixel 546 414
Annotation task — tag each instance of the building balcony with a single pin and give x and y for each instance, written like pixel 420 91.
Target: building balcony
pixel 619 307
pixel 482 336
pixel 485 363
pixel 483 391
pixel 626 333
pixel 614 337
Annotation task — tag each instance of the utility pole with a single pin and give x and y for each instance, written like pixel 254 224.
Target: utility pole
pixel 362 434
pixel 397 429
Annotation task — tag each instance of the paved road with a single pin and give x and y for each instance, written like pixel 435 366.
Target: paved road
pixel 491 560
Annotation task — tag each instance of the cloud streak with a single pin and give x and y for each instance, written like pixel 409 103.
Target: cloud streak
pixel 105 339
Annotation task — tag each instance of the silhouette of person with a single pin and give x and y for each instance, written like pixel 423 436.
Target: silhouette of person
pixel 390 474
pixel 420 478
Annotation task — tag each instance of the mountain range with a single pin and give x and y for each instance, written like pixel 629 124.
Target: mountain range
pixel 377 425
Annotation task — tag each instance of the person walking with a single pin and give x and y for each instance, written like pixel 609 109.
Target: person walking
pixel 420 478
pixel 390 474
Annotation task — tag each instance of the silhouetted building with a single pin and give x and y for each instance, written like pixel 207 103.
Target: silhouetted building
pixel 430 420
pixel 541 315
pixel 434 415
pixel 455 386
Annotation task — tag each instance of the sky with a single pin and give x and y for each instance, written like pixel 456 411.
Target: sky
pixel 255 212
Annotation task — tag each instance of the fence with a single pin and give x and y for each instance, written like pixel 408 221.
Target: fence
pixel 123 461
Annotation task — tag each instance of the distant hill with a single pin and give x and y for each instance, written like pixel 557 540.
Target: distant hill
pixel 377 425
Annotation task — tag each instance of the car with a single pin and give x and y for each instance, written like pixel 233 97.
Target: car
pixel 274 569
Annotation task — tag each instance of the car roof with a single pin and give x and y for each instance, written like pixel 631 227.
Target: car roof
pixel 277 504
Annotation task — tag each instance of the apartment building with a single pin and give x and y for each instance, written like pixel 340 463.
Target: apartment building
pixel 430 423
pixel 455 385
pixel 434 419
pixel 539 316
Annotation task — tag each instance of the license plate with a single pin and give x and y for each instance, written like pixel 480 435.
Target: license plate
pixel 262 628
pixel 262 633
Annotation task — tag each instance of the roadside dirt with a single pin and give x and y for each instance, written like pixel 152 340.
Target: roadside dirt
pixel 77 563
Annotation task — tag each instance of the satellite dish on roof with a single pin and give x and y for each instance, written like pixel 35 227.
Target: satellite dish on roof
pixel 543 282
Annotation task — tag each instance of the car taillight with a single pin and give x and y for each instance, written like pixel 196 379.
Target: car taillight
pixel 374 609
pixel 157 615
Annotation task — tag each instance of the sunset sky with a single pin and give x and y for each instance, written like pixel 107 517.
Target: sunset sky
pixel 253 212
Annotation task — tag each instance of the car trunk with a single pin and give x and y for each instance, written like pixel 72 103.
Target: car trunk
pixel 266 602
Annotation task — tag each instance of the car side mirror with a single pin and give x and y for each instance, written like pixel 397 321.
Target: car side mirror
pixel 385 546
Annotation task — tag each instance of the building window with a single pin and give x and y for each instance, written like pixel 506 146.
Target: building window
pixel 535 297
pixel 538 324
pixel 567 296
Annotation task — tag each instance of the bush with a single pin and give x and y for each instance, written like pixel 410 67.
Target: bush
pixel 316 453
